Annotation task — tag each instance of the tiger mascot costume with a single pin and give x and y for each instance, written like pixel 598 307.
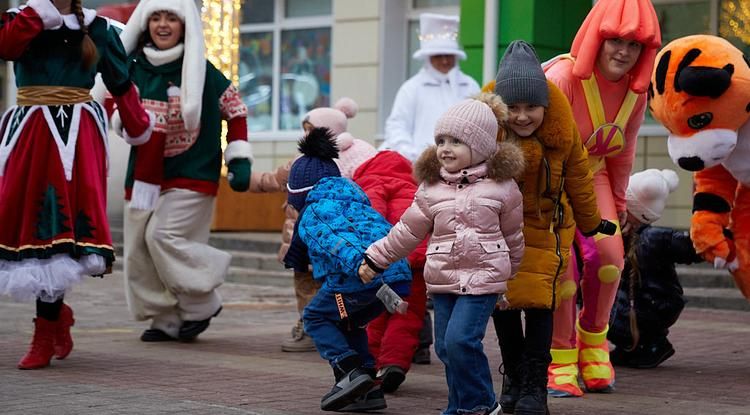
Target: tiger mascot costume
pixel 700 91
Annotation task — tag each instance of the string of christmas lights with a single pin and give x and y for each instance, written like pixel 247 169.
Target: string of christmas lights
pixel 221 28
pixel 735 15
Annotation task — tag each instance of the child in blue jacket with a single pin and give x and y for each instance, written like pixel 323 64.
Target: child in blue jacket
pixel 335 226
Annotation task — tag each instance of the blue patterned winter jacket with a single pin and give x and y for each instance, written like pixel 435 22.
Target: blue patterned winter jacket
pixel 337 225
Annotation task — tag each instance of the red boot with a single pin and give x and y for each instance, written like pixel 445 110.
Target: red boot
pixel 42 345
pixel 63 340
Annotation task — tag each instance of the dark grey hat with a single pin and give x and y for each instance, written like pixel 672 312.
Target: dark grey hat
pixel 520 77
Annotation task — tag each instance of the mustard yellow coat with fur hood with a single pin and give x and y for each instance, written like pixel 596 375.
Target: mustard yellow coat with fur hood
pixel 558 195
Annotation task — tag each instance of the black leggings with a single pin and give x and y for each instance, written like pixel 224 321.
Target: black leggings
pixel 48 311
pixel 514 344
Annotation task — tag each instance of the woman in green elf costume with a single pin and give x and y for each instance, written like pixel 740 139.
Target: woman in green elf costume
pixel 171 273
pixel 53 160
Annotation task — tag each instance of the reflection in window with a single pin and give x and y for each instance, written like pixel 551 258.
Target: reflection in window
pixel 257 11
pixel 435 3
pixel 734 23
pixel 305 74
pixel 303 8
pixel 256 78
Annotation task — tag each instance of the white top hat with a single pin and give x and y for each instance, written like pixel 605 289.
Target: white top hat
pixel 438 35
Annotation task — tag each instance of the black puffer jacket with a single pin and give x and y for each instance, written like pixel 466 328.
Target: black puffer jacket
pixel 658 296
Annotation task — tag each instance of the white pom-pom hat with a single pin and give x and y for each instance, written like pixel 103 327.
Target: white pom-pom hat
pixel 647 193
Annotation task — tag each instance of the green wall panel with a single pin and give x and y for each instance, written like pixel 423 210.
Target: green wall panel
pixel 549 25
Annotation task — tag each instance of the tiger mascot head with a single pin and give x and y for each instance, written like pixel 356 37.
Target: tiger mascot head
pixel 700 91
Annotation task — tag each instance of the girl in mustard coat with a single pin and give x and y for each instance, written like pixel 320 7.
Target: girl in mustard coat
pixel 557 195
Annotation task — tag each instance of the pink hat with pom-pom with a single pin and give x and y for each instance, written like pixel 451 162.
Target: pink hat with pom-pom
pixel 352 151
pixel 333 118
pixel 648 191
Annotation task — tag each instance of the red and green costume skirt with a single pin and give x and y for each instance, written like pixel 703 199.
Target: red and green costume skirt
pixel 53 199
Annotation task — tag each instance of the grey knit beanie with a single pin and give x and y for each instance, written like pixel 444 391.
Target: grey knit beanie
pixel 520 77
pixel 473 122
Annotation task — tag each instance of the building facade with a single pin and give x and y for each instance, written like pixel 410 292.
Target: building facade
pixel 295 55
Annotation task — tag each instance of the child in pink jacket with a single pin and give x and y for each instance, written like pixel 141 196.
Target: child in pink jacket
pixel 471 207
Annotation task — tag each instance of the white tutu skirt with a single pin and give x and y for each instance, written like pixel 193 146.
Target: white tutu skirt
pixel 47 279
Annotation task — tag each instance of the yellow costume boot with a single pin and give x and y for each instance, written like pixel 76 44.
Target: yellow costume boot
pixel 593 361
pixel 562 374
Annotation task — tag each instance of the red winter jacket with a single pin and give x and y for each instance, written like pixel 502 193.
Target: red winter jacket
pixel 387 179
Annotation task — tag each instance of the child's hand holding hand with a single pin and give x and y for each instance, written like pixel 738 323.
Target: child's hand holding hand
pixel 366 274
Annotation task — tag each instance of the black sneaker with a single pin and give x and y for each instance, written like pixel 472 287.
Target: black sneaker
pixel 644 356
pixel 391 377
pixel 156 335
pixel 190 329
pixel 347 390
pixel 374 400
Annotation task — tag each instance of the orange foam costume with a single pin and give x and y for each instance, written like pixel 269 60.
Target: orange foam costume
pixel 608 114
pixel 700 91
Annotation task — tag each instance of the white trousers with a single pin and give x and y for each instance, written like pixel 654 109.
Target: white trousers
pixel 171 274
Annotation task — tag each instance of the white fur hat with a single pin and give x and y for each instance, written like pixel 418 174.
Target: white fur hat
pixel 194 59
pixel 648 191
pixel 438 35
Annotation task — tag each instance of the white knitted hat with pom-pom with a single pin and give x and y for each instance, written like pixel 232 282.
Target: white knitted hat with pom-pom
pixel 648 191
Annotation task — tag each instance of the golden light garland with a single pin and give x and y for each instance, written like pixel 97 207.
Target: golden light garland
pixel 221 28
pixel 735 18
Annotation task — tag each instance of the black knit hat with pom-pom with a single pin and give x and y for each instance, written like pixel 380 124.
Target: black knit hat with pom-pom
pixel 318 150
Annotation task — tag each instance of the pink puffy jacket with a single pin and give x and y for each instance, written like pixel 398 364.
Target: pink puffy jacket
pixel 475 217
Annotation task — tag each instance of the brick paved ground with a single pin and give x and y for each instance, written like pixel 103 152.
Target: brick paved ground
pixel 236 367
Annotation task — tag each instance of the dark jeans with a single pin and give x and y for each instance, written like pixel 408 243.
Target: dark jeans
pixel 337 338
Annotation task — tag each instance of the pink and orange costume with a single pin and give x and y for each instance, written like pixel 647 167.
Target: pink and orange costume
pixel 608 114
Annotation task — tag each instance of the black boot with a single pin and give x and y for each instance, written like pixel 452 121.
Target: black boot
pixel 510 339
pixel 352 381
pixel 533 400
pixel 511 391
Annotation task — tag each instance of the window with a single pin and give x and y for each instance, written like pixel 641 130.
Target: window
pixel 285 61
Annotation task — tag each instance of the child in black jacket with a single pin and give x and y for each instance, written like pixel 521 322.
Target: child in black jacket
pixel 649 299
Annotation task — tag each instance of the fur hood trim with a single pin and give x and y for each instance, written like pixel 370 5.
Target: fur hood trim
pixel 559 126
pixel 506 163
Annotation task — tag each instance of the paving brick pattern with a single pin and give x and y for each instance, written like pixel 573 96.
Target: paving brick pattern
pixel 236 367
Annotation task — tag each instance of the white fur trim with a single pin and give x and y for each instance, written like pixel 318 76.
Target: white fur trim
pixel 51 17
pixel 47 279
pixel 194 60
pixel 141 139
pixel 238 149
pixel 144 196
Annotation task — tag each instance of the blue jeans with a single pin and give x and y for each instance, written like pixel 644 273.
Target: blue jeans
pixel 335 338
pixel 460 325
